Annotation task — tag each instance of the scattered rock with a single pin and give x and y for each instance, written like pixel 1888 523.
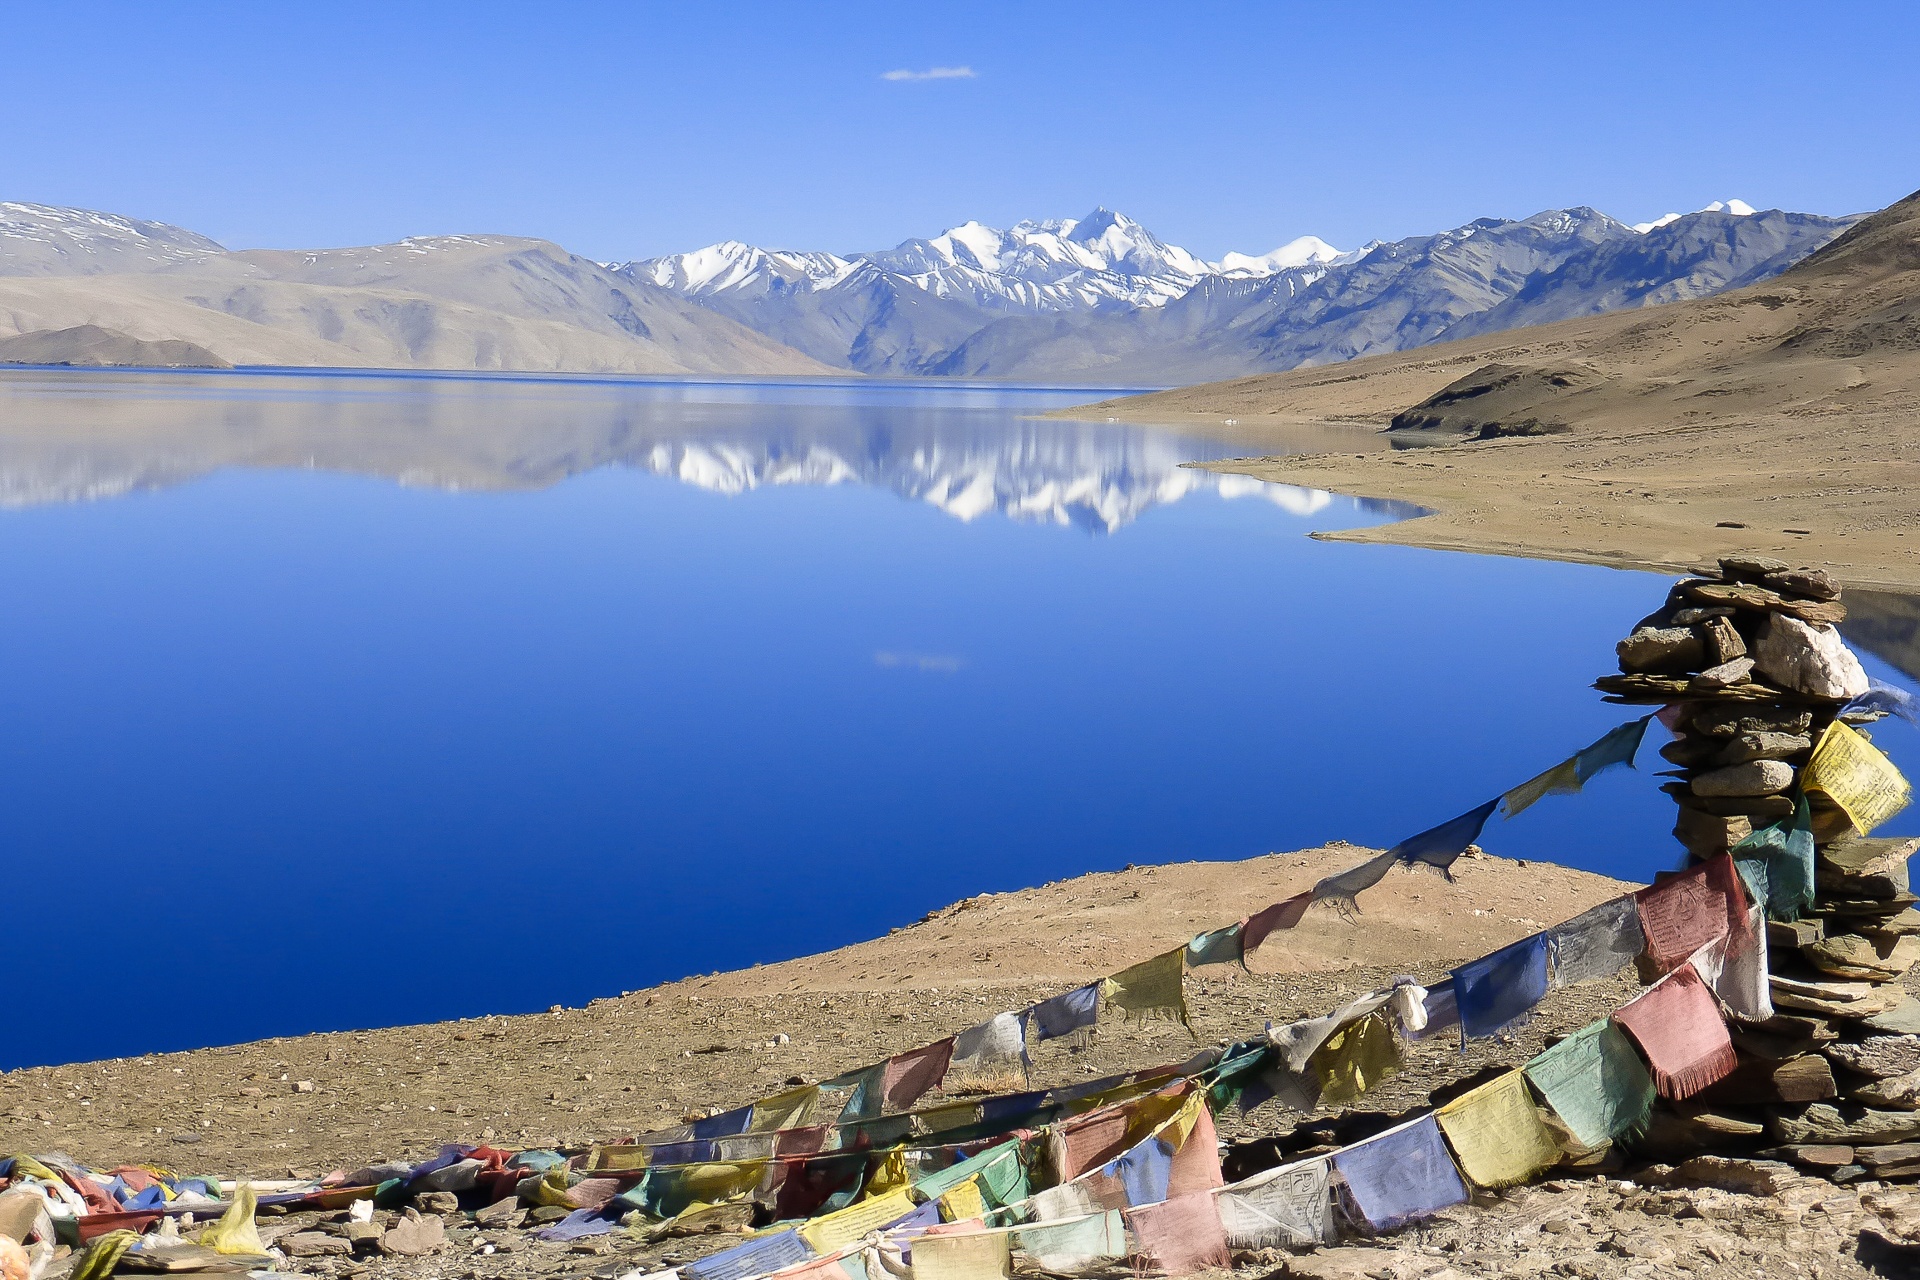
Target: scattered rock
pixel 413 1236
pixel 313 1244
pixel 501 1213
pixel 1754 778
pixel 303 1086
pixel 440 1202
pixel 1812 660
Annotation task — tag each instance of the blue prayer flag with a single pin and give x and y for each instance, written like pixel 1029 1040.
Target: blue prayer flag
pixel 1496 990
pixel 1441 845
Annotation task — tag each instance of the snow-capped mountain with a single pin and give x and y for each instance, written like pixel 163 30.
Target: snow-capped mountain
pixel 1105 260
pixel 1101 296
pixel 42 240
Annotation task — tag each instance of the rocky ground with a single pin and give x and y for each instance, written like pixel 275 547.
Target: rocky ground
pixel 302 1106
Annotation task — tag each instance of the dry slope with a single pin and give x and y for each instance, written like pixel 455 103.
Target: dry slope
pixel 1780 417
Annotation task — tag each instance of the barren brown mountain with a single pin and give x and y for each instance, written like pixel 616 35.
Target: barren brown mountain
pixel 1780 417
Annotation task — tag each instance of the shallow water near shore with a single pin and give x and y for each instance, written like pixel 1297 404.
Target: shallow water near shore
pixel 349 701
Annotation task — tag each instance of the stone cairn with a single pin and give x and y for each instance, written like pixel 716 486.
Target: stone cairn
pixel 1752 662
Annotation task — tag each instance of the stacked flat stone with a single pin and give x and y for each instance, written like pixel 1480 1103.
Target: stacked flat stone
pixel 1751 663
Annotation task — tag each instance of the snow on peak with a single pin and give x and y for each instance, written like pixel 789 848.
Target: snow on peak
pixel 732 265
pixel 1735 208
pixel 1304 251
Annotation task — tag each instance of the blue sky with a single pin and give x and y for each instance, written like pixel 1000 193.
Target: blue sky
pixel 626 130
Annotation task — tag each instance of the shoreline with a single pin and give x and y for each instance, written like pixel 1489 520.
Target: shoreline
pixel 1626 501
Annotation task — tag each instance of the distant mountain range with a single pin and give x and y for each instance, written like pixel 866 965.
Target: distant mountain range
pixel 1094 299
pixel 1103 298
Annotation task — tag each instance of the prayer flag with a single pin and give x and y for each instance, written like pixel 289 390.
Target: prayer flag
pixel 1073 1245
pixel 1064 1014
pixel 1151 989
pixel 912 1075
pixel 989 1058
pixel 1281 915
pixel 1680 1032
pixel 1344 888
pixel 1356 1058
pixel 1290 1205
pixel 1196 1148
pixel 1299 1040
pixel 787 1110
pixel 1068 1200
pixel 1595 1083
pixel 1597 943
pixel 1143 1171
pixel 755 1257
pixel 1178 1237
pixel 1441 1010
pixel 963 1202
pixel 1221 946
pixel 1496 1134
pixel 1400 1175
pixel 726 1124
pixel 1440 846
pixel 834 1231
pixel 1619 746
pixel 1855 775
pixel 1881 696
pixel 1785 849
pixel 1684 912
pixel 1498 990
pixel 867 1087
pixel 971 1255
pixel 989 1168
pixel 1562 779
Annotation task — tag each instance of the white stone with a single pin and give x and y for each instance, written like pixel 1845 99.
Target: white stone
pixel 1808 659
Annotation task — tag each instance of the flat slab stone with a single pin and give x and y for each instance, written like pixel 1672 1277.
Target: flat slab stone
pixel 1826 1123
pixel 1877 1056
pixel 1902 1020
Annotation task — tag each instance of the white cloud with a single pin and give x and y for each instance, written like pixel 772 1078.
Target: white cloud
pixel 932 73
pixel 938 663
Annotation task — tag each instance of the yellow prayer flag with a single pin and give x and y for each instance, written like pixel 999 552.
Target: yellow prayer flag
pixel 1496 1132
pixel 834 1231
pixel 1562 779
pixel 236 1233
pixel 787 1110
pixel 1855 775
pixel 975 1255
pixel 1176 1130
pixel 1150 989
pixel 1355 1058
pixel 891 1176
pixel 963 1202
pixel 620 1158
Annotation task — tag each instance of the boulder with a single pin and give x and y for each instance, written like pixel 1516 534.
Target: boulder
pixel 1894 1093
pixel 1663 650
pixel 1764 745
pixel 414 1235
pixel 1721 721
pixel 1724 676
pixel 1754 778
pixel 1808 659
pixel 1865 868
pixel 1757 1082
pixel 1901 1020
pixel 440 1202
pixel 20 1209
pixel 1693 750
pixel 1706 834
pixel 1877 1056
pixel 1750 565
pixel 1723 642
pixel 1848 955
pixel 1753 1177
pixel 1826 1123
pixel 1814 584
pixel 313 1244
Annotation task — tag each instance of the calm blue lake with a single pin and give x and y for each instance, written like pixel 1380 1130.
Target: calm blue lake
pixel 346 701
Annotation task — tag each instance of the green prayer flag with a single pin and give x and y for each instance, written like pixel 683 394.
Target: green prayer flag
pixel 1595 1083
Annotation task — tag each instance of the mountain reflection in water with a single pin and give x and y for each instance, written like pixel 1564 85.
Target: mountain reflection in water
pixel 73 436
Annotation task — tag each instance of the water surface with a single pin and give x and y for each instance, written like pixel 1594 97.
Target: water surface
pixel 348 701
